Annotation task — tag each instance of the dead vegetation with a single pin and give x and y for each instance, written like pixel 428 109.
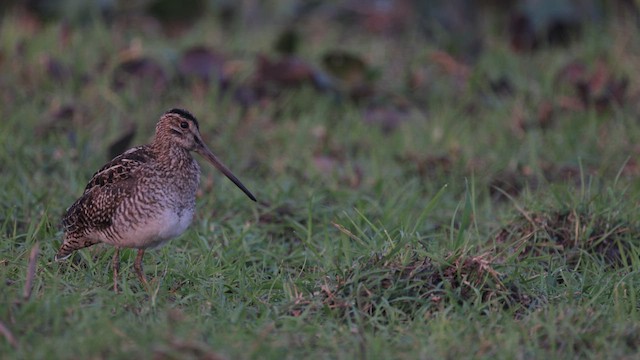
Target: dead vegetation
pixel 570 234
pixel 422 286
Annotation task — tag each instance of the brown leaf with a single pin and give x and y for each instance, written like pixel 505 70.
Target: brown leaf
pixel 450 64
pixel 140 73
pixel 204 64
pixel 601 89
pixel 572 73
pixel 287 72
pixel 522 121
pixel 387 117
pixel 380 18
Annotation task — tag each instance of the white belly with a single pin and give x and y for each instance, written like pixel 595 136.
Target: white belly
pixel 158 230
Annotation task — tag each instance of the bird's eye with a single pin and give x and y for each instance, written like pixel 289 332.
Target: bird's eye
pixel 184 124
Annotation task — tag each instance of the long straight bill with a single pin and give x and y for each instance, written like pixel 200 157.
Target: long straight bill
pixel 204 151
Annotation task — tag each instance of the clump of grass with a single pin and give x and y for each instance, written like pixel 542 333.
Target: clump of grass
pixel 421 286
pixel 570 234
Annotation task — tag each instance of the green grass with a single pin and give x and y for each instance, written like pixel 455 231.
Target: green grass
pixel 399 246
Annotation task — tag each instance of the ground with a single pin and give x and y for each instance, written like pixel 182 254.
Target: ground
pixel 465 192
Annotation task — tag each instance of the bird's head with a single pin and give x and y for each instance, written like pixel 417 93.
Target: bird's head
pixel 180 128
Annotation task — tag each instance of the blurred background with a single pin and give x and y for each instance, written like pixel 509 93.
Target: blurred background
pixel 357 51
pixel 450 87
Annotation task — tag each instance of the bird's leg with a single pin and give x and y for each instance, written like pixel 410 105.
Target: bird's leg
pixel 138 267
pixel 116 269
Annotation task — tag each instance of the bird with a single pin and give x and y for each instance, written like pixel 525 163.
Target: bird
pixel 143 197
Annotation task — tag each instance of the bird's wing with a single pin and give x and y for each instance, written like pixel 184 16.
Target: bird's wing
pixel 106 190
pixel 121 168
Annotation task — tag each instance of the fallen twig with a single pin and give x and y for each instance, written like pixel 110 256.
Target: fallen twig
pixel 8 335
pixel 31 272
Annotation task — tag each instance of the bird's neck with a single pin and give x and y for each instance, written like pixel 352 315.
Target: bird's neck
pixel 169 154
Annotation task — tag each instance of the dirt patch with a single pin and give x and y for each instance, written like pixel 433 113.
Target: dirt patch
pixel 420 287
pixel 570 234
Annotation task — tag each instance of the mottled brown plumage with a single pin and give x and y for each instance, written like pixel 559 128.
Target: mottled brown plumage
pixel 143 197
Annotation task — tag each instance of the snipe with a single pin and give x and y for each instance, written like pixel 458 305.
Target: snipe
pixel 143 197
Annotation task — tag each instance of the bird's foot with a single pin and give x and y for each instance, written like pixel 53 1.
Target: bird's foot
pixel 137 265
